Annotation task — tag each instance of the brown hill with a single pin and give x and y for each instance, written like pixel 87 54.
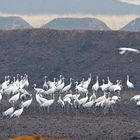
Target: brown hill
pixel 40 52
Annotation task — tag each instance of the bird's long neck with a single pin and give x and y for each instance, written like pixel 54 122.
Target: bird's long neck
pixel 127 77
pixel 97 81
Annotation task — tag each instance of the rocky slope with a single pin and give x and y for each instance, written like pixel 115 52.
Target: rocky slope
pixel 40 52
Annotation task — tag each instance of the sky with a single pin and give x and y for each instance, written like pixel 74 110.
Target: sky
pixel 115 13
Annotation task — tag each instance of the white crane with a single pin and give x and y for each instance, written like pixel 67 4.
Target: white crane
pixel 128 83
pixel 38 90
pixel 124 50
pixel 88 104
pixel 83 100
pixel 104 86
pixel 80 89
pixel 59 81
pixel 67 100
pixel 109 82
pixel 8 112
pixel 95 87
pixel 17 113
pixel 45 86
pixel 59 87
pixel 61 102
pixel 26 81
pixel 52 84
pixel 93 96
pixel 86 83
pixel 50 91
pixel 0 97
pixel 37 96
pixel 47 104
pixel 135 98
pixel 26 104
pixel 14 98
pixel 68 87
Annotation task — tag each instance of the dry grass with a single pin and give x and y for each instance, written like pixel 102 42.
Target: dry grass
pixel 36 138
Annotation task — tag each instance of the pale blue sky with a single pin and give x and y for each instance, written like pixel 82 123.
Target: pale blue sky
pixel 115 13
pixel 107 7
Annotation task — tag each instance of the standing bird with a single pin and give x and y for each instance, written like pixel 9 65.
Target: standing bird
pixel 8 112
pixel 67 88
pixel 95 87
pixel 128 83
pixel 38 90
pixel 45 86
pixel 48 103
pixel 26 104
pixel 17 113
pixel 61 102
pixel 86 83
pixel 14 98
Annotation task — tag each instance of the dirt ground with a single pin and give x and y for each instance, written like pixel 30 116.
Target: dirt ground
pixel 82 124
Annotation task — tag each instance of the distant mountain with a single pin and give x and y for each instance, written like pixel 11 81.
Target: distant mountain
pixel 133 26
pixel 76 23
pixel 9 23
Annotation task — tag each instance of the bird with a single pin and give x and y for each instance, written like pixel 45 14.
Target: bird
pixel 8 112
pixel 135 98
pixel 45 86
pixel 39 90
pixel 83 100
pixel 17 113
pixel 88 104
pixel 26 104
pixel 128 83
pixel 14 98
pixel 60 86
pixel 93 96
pixel 80 89
pixel 109 82
pixel 47 104
pixel 124 50
pixel 61 102
pixel 67 88
pixel 50 91
pixel 95 87
pixel 52 84
pixel 0 97
pixel 86 83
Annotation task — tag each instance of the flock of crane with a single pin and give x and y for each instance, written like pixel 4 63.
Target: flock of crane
pixel 14 91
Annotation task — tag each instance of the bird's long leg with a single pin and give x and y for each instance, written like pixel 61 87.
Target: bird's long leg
pixel 137 110
pixel 112 108
pixel 48 109
pixel 105 110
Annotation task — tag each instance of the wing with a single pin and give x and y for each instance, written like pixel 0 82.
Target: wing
pixel 122 52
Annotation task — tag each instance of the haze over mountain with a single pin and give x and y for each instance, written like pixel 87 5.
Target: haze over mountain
pixel 40 52
pixel 76 23
pixel 133 26
pixel 8 23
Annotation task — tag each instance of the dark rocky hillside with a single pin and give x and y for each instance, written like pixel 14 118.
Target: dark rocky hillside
pixel 40 52
pixel 9 23
pixel 76 23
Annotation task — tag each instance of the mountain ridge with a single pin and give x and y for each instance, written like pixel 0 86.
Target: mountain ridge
pixel 76 23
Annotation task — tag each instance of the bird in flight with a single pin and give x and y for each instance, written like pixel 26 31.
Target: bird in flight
pixel 124 50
